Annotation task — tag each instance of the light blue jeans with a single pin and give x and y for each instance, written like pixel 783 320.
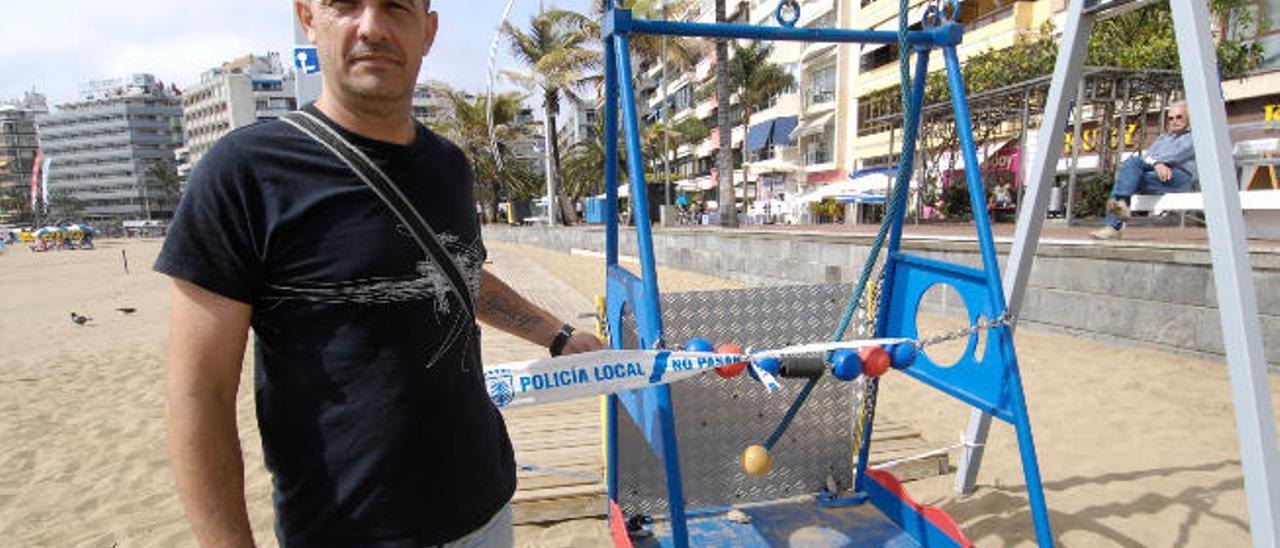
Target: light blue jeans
pixel 1137 177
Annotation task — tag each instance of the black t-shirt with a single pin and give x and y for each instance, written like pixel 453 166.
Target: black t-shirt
pixel 369 441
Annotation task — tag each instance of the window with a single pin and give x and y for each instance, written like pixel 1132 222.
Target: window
pixel 268 85
pixel 818 149
pixel 822 85
pixel 681 99
pixel 764 153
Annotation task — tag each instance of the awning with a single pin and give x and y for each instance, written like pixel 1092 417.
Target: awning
pixel 775 131
pixel 983 151
pixel 814 125
pixel 863 198
pixel 830 190
pixel 782 128
pixel 759 134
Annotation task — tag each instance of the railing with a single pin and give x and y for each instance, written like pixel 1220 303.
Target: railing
pixel 822 96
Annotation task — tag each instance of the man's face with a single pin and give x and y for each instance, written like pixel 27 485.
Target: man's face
pixel 369 49
pixel 1178 120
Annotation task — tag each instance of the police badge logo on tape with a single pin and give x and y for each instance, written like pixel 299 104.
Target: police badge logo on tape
pixel 501 386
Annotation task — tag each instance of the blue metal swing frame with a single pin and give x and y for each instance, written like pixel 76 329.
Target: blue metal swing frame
pixel 991 383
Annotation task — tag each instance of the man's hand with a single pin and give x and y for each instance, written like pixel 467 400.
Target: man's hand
pixel 1163 172
pixel 581 341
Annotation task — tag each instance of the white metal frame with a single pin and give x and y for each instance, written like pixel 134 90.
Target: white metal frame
pixel 1237 299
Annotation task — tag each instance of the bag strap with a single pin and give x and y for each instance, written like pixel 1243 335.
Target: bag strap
pixel 386 189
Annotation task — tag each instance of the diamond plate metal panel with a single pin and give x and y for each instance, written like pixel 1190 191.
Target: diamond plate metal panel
pixel 717 418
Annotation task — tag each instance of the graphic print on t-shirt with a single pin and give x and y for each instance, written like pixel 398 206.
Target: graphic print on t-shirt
pixel 427 283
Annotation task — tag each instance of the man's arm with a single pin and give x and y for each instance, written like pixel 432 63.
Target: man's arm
pixel 1171 151
pixel 500 306
pixel 207 337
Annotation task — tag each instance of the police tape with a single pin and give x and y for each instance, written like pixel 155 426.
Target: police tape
pixel 547 380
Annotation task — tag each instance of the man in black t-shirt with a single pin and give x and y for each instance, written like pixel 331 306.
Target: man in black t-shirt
pixel 375 421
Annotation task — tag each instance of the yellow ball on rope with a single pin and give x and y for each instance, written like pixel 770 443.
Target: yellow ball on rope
pixel 756 461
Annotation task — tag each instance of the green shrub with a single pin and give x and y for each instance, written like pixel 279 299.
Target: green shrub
pixel 1094 190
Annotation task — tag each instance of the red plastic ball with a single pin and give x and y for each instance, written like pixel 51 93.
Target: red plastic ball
pixel 875 361
pixel 734 369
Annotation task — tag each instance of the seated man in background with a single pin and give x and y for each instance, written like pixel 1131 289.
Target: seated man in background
pixel 1169 166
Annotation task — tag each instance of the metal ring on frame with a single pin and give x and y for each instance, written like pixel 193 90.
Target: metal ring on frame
pixel 792 6
pixel 932 17
pixel 950 15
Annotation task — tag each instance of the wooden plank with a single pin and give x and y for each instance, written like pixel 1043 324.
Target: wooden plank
pixel 558 492
pixel 523 444
pixel 923 468
pixel 554 426
pixel 542 511
pixel 559 455
pixel 538 482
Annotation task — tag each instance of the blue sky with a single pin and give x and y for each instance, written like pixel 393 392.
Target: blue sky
pixel 53 46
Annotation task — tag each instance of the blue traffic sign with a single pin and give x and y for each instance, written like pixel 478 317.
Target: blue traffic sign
pixel 306 59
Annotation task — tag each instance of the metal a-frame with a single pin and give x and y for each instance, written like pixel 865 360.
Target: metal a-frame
pixel 1237 299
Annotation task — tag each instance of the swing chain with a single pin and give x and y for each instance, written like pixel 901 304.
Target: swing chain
pixel 1005 319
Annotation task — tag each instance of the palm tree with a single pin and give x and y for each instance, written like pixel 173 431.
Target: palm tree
pixel 673 52
pixel 63 204
pixel 165 184
pixel 555 50
pixel 648 48
pixel 724 159
pixel 755 79
pixel 657 136
pixel 584 164
pixel 15 202
pixel 467 125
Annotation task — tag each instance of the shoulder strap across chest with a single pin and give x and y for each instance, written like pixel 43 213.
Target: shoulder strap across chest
pixel 390 194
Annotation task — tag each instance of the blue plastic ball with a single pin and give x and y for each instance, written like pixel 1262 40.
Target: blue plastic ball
pixel 770 364
pixel 902 355
pixel 699 345
pixel 846 365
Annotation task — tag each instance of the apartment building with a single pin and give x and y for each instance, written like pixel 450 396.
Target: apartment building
pixel 243 91
pixel 431 102
pixel 101 146
pixel 577 122
pixel 833 130
pixel 790 147
pixel 989 25
pixel 19 140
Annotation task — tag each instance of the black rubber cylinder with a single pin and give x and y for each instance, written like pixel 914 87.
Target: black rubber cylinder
pixel 802 367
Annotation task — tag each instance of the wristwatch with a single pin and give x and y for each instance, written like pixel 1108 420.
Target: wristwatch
pixel 562 337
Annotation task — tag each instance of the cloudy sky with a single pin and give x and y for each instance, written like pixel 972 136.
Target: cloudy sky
pixel 53 46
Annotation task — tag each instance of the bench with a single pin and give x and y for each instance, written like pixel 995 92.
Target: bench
pixel 1261 209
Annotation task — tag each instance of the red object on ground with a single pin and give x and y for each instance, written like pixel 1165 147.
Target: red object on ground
pixel 731 370
pixel 875 361
pixel 937 516
pixel 618 527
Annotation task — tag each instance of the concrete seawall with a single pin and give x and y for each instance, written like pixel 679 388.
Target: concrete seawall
pixel 1158 295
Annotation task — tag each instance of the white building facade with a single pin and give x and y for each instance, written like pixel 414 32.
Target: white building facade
pixel 241 92
pixel 101 147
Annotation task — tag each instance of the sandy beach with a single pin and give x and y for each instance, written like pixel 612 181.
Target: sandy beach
pixel 1137 447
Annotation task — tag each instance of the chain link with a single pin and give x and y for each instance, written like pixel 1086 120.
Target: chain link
pixel 1004 319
